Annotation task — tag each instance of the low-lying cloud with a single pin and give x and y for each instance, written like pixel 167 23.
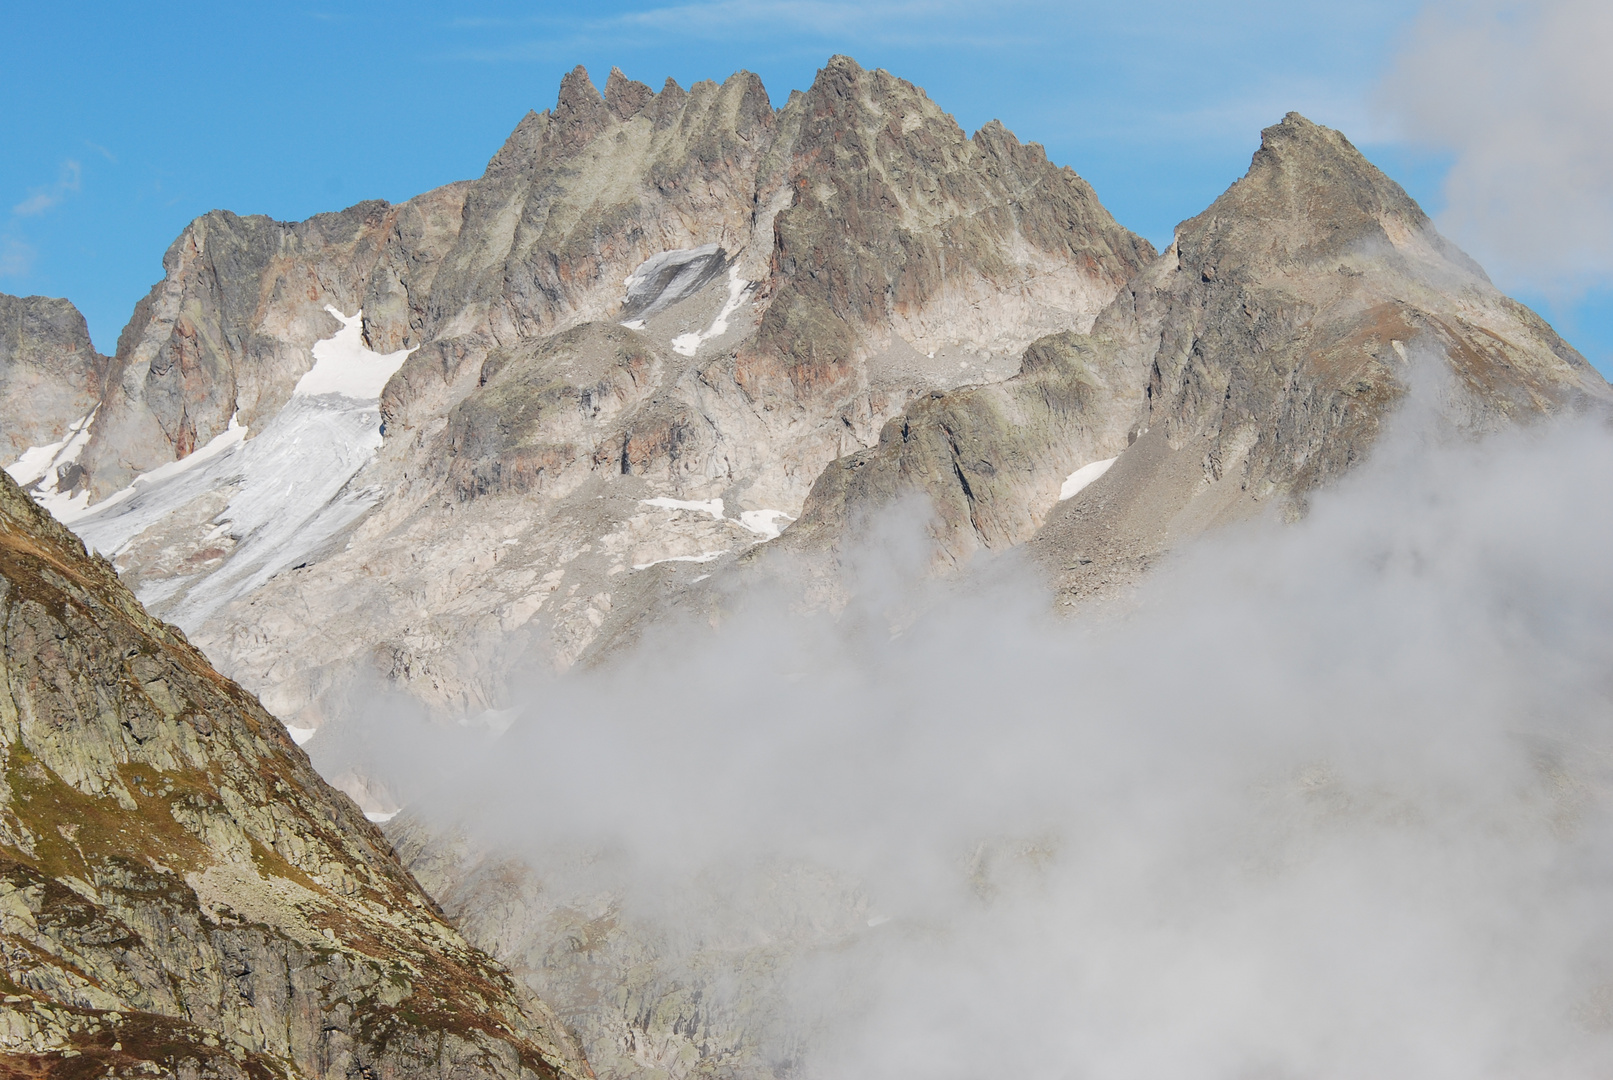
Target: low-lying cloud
pixel 1328 800
pixel 1522 94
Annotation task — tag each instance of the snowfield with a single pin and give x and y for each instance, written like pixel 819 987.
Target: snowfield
pixel 290 485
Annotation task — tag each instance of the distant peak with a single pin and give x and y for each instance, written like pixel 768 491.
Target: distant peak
pixel 1295 135
pixel 1307 190
pixel 625 97
pixel 577 91
pixel 580 113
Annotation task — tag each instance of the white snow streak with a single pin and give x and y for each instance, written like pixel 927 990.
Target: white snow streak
pixel 707 557
pixel 710 506
pixel 1083 476
pixel 764 522
pixel 290 487
pixel 342 365
pixel 44 465
pixel 686 344
pixel 37 461
pixel 381 818
pixel 300 735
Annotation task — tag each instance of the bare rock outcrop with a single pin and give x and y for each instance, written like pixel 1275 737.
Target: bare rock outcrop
pixel 1255 359
pixel 50 374
pixel 634 343
pixel 180 893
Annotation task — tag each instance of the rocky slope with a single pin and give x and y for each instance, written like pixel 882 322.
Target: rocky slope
pixel 180 893
pixel 1257 358
pixel 51 380
pixel 632 346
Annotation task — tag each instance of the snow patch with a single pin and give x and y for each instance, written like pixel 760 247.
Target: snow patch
pixel 662 280
pixel 37 461
pixel 41 467
pixel 381 818
pixel 1083 476
pixel 709 506
pixel 764 523
pixel 342 365
pixel 686 344
pixel 707 557
pixel 300 735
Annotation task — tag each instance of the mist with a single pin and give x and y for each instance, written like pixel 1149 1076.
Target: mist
pixel 1323 799
pixel 1521 94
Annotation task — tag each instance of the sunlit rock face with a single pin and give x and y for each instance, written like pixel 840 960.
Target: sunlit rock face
pixel 684 295
pixel 1255 360
pixel 184 896
pixel 51 378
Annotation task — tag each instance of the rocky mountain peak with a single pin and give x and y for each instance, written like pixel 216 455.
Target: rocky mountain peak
pixel 580 113
pixel 1310 195
pixel 625 97
pixel 51 377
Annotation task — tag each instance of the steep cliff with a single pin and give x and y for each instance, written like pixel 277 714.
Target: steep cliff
pixel 50 374
pixel 179 891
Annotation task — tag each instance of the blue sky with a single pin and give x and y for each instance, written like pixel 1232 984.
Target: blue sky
pixel 122 122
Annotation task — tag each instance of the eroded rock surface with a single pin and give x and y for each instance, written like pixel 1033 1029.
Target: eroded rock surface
pixel 180 893
pixel 1255 359
pixel 649 302
pixel 50 373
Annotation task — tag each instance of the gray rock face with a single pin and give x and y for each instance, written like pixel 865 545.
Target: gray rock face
pixel 179 891
pixel 684 296
pixel 50 374
pixel 227 332
pixel 1253 361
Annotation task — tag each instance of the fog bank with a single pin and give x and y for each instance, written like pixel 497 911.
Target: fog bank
pixel 1328 799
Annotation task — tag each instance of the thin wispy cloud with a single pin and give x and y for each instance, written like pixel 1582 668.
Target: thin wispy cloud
pixel 41 199
pixel 16 257
pixel 802 24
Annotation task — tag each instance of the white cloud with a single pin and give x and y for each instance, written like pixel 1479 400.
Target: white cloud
pixel 1522 94
pixel 16 257
pixel 42 199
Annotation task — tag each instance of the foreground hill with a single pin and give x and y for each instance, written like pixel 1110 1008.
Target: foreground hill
pixel 180 893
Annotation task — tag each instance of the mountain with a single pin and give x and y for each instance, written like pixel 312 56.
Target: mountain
pixel 628 349
pixel 51 382
pixel 1256 359
pixel 180 893
pixel 666 341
